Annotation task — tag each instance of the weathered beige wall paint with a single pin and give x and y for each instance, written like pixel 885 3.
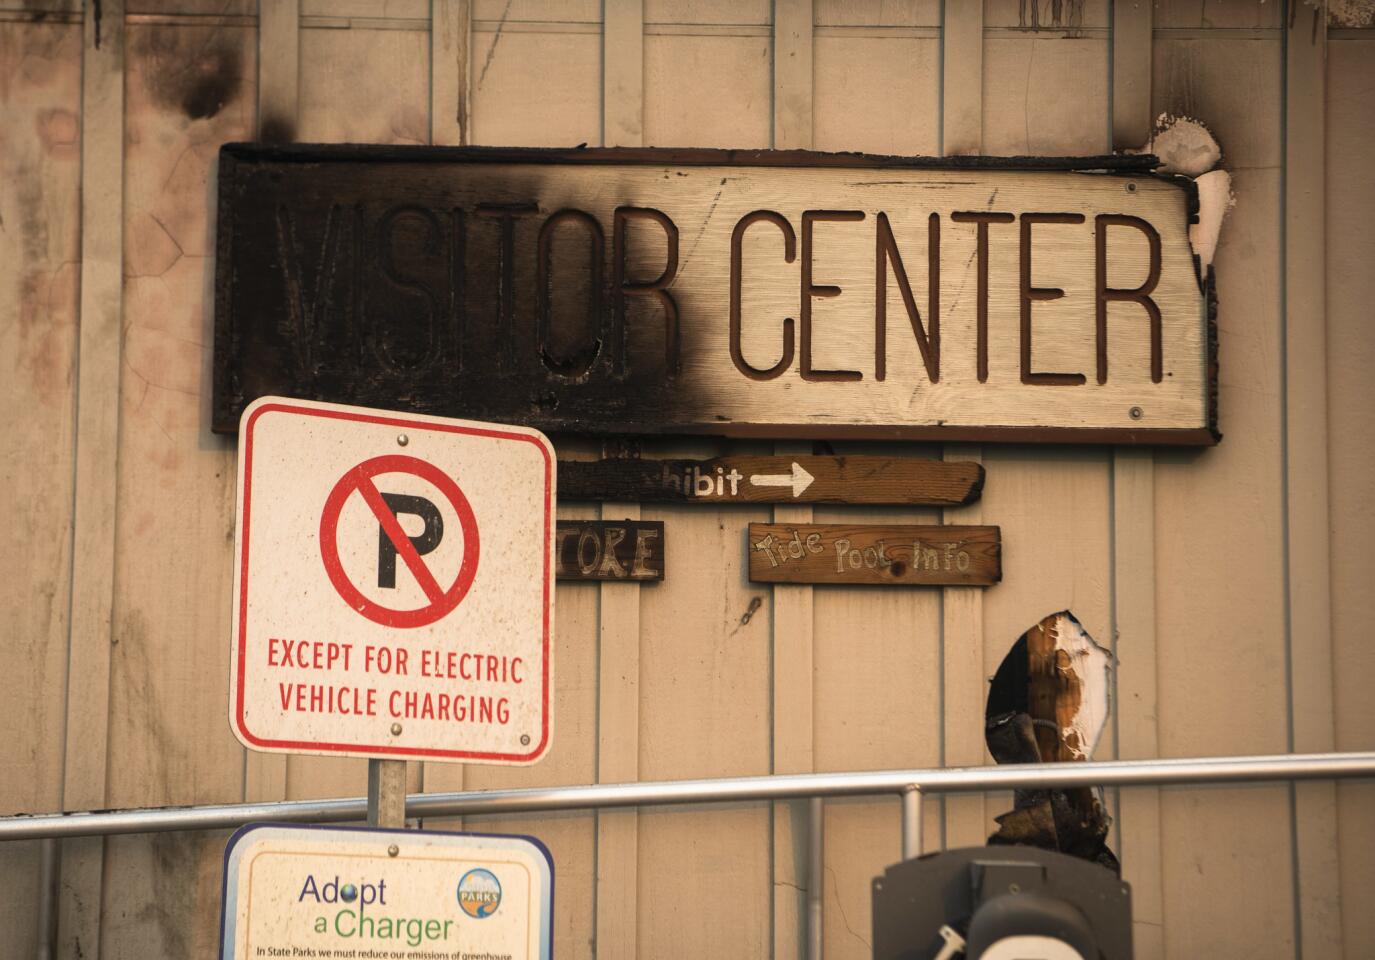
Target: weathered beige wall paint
pixel 40 170
pixel 673 680
pixel 175 487
pixel 1213 510
pixel 534 78
pixel 1351 457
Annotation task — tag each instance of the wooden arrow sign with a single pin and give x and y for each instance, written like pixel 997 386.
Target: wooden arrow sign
pixel 889 554
pixel 749 479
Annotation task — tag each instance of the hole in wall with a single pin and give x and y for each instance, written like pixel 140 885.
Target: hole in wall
pixel 1049 702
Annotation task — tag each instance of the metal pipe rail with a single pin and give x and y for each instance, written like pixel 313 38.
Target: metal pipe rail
pixel 911 785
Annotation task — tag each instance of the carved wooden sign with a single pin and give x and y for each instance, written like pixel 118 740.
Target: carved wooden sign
pixel 609 550
pixel 888 554
pixel 764 479
pixel 715 292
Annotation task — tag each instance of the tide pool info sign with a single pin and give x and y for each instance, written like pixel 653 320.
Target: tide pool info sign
pixel 892 555
pixel 716 292
pixel 393 585
pixel 354 892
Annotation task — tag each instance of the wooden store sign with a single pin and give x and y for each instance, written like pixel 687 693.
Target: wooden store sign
pixel 717 292
pixel 601 550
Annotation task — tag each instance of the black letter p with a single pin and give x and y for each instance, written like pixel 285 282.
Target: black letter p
pixel 399 503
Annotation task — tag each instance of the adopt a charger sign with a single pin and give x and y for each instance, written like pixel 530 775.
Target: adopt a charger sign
pixel 360 892
pixel 393 585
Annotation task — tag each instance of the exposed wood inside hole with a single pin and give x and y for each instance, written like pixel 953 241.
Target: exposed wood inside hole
pixel 1048 703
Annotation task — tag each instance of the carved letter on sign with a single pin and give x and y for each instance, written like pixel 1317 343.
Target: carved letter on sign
pixel 609 550
pixel 893 555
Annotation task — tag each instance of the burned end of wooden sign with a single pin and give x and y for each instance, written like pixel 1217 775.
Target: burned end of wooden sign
pixel 1049 702
pixel 764 479
pixel 884 554
pixel 609 550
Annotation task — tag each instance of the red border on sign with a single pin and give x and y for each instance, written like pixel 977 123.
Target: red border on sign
pixel 359 480
pixel 390 750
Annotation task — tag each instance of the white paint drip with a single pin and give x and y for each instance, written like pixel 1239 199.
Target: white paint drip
pixel 1214 200
pixel 1186 146
pixel 1092 664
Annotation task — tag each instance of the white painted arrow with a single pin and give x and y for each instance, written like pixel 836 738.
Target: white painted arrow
pixel 799 479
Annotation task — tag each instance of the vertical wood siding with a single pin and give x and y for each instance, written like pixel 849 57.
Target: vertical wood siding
pixel 40 177
pixel 1203 570
pixel 1134 731
pixel 1210 511
pixel 175 484
pixel 1351 457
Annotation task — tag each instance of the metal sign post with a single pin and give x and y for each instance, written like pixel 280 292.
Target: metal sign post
pixel 387 793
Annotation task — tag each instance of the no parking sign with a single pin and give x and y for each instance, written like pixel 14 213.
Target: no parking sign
pixel 392 540
pixel 393 585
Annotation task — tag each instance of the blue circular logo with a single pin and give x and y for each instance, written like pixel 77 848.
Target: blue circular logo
pixel 348 893
pixel 479 893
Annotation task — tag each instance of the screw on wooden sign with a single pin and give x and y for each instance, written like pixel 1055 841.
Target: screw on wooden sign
pixel 804 479
pixel 889 554
pixel 609 550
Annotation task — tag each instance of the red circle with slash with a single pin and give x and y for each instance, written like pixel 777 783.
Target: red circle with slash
pixel 360 480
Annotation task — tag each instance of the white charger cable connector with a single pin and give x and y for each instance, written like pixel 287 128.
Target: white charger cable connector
pixel 954 943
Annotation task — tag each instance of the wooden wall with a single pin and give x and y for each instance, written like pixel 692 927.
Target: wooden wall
pixel 1233 583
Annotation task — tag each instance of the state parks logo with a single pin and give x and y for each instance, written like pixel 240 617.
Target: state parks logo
pixel 479 893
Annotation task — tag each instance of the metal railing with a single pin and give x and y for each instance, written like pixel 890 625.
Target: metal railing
pixel 909 785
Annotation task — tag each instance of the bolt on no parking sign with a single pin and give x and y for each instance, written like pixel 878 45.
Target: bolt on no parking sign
pixel 393 585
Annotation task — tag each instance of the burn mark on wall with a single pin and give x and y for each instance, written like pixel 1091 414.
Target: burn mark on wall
pixel 547 303
pixel 196 72
pixel 496 39
pixel 175 857
pixel 36 10
pixel 1058 14
pixel 59 131
pixel 276 130
pixel 47 314
pixel 33 219
pixel 1048 703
